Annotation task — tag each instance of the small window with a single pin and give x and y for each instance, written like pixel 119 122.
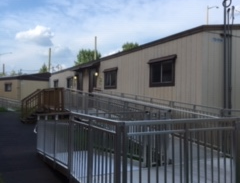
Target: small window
pixel 162 71
pixel 55 83
pixel 8 87
pixel 110 78
pixel 69 82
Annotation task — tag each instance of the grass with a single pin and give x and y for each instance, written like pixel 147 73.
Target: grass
pixel 2 109
pixel 1 179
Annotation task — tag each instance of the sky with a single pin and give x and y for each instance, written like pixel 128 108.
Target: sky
pixel 28 28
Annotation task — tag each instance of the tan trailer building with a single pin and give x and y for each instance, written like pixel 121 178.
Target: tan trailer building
pixel 18 87
pixel 185 67
pixel 81 77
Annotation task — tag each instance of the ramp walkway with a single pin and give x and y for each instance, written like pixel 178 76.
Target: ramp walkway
pixel 19 162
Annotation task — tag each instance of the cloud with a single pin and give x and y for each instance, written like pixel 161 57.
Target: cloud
pixel 40 35
pixel 76 23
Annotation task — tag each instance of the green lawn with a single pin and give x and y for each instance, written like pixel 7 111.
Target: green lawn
pixel 1 179
pixel 2 109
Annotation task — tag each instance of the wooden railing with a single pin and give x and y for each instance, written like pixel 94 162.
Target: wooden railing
pixel 46 100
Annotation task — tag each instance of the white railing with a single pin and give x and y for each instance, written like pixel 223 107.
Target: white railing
pixel 95 149
pixel 187 107
pixel 118 108
pixel 10 103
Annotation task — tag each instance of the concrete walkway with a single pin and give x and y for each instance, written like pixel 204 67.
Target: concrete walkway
pixel 19 162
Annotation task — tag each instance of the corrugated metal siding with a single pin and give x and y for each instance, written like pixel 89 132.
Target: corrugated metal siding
pixel 198 70
pixel 61 77
pixel 212 86
pixel 235 71
pixel 14 93
pixel 21 88
pixel 85 80
pixel 28 87
pixel 133 70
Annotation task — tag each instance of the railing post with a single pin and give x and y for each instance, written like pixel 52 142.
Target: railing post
pixel 124 152
pixel 86 103
pixel 117 153
pixel 236 152
pixel 44 136
pixel 55 139
pixel 171 104
pixel 186 166
pixel 90 154
pixel 70 147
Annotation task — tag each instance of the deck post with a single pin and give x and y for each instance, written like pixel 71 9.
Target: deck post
pixel 236 152
pixel 90 154
pixel 186 166
pixel 124 151
pixel 70 147
pixel 117 153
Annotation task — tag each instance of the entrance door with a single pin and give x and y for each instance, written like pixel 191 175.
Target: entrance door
pixel 92 80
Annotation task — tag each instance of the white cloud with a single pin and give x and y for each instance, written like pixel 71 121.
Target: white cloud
pixel 40 35
pixel 76 23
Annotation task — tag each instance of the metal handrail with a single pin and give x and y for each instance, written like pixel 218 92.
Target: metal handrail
pixel 172 104
pixel 113 150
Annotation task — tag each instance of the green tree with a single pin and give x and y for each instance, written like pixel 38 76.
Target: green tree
pixel 85 56
pixel 13 73
pixel 20 72
pixel 128 46
pixel 43 68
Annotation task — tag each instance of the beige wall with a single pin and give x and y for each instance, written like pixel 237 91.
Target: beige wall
pixel 236 70
pixel 28 87
pixel 85 80
pixel 21 88
pixel 198 70
pixel 133 70
pixel 61 77
pixel 14 93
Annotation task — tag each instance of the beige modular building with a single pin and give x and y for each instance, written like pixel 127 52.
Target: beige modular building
pixel 186 67
pixel 80 77
pixel 18 87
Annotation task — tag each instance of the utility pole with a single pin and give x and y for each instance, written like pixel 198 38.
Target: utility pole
pixel 3 71
pixel 208 8
pixel 49 59
pixel 95 48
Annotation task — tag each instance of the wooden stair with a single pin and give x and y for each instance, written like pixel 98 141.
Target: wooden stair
pixel 42 101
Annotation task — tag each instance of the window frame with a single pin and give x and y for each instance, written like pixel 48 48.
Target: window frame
pixel 6 89
pixel 109 73
pixel 160 62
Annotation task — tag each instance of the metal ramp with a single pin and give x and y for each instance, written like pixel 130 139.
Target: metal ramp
pixel 107 139
pixel 111 107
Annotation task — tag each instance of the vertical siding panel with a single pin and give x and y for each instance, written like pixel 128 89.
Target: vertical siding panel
pixel 213 71
pixel 198 71
pixel 205 69
pixel 235 70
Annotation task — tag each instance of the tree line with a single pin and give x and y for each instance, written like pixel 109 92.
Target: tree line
pixel 84 56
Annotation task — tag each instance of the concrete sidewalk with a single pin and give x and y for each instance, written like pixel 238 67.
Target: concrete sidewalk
pixel 19 162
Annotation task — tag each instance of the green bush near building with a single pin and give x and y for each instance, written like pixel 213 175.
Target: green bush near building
pixel 1 179
pixel 2 109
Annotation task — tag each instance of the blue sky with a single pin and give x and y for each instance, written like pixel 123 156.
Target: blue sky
pixel 28 28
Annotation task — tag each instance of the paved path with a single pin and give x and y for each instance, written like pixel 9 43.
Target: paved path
pixel 19 162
